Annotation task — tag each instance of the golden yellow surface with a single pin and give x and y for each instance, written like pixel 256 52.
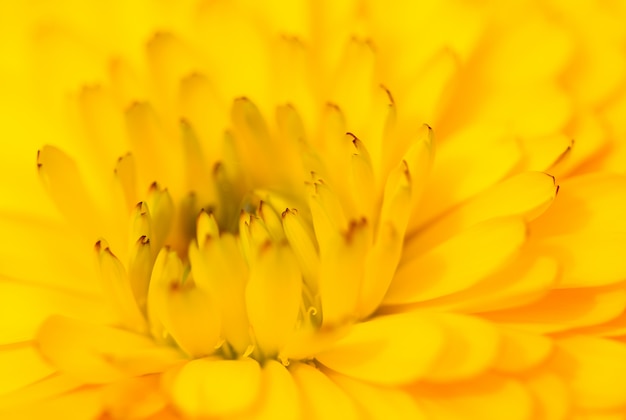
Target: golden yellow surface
pixel 354 209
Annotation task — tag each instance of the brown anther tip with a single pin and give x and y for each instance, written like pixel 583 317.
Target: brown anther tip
pixel 174 286
pixel 108 251
pixel 143 240
pixel 134 105
pixel 217 167
pixel 333 106
pixel 556 193
pixel 98 245
pixel 285 213
pixel 388 92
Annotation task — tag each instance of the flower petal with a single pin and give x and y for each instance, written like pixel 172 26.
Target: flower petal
pixel 205 387
pixel 586 203
pixel 520 351
pixel 279 395
pixel 587 260
pixel 473 171
pixel 389 350
pixel 472 345
pixel 527 195
pixel 595 370
pixel 485 398
pixel 377 401
pixel 520 283
pixel 565 309
pixel 21 365
pixel 100 354
pixel 19 322
pixel 275 277
pixel 322 398
pixel 458 263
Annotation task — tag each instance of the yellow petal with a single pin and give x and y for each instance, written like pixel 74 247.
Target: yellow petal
pixel 388 350
pixel 19 322
pixel 100 354
pixel 586 203
pixel 219 268
pixel 322 398
pixel 480 158
pixel 520 283
pixel 565 309
pixel 279 395
pixel 595 370
pixel 21 365
pixel 485 398
pixel 472 346
pixel 24 237
pixel 587 260
pixel 554 400
pixel 520 351
pixel 402 190
pixel 60 175
pixel 192 317
pixel 139 397
pixel 115 283
pixel 76 405
pixel 341 272
pixel 275 277
pixel 50 387
pixel 546 153
pixel 458 263
pixel 301 239
pixel 160 158
pixel 527 195
pixel 126 177
pixel 205 387
pixel 378 402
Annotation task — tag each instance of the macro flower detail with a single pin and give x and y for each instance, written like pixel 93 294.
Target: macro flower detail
pixel 351 210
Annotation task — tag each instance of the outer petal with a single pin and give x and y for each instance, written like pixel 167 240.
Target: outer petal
pixel 458 263
pixel 321 397
pixel 389 350
pixel 472 345
pixel 100 354
pixel 279 395
pixel 487 398
pixel 595 369
pixel 379 402
pixel 21 365
pixel 207 387
pixel 565 309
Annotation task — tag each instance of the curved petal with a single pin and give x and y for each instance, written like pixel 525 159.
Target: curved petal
pixel 279 395
pixel 595 370
pixel 100 354
pixel 390 350
pixel 21 365
pixel 485 398
pixel 565 309
pixel 378 402
pixel 472 345
pixel 205 387
pixel 458 263
pixel 322 398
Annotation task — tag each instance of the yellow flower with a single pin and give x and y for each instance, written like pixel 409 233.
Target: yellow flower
pixel 278 231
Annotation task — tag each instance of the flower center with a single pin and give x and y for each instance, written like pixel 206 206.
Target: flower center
pixel 267 246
